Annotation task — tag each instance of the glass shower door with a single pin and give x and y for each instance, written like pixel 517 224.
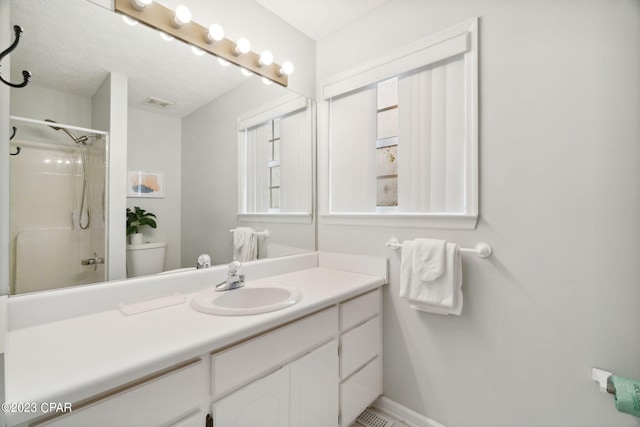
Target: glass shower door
pixel 57 206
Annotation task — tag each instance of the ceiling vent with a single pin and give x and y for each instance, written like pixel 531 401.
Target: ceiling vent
pixel 157 102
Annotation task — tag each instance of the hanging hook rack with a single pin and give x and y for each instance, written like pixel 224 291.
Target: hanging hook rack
pixel 25 74
pixel 13 134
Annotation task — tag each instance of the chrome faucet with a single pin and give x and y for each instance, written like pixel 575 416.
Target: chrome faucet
pixel 204 261
pixel 235 278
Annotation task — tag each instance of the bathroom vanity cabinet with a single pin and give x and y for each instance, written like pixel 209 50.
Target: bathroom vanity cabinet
pixel 327 382
pixel 173 397
pixel 318 370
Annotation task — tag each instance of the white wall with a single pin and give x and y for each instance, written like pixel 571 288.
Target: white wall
pixel 559 203
pixel 154 143
pixel 109 113
pixel 210 178
pixel 40 103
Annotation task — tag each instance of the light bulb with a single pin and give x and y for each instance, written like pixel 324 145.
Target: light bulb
pixel 266 58
pixel 215 33
pixel 242 46
pixel 286 69
pixel 197 51
pixel 183 16
pixel 166 37
pixel 224 62
pixel 129 20
pixel 266 81
pixel 140 4
pixel 245 72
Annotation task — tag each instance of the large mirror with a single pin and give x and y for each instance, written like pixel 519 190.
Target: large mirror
pixel 181 150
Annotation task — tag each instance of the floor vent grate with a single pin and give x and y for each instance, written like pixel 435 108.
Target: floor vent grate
pixel 371 418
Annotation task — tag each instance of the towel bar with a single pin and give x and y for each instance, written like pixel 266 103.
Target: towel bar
pixel 264 233
pixel 483 250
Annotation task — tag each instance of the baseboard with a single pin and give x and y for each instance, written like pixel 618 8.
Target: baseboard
pixel 404 414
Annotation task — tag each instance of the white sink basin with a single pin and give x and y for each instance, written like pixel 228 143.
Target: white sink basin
pixel 247 300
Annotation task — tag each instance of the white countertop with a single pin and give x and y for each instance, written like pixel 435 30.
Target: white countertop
pixel 72 359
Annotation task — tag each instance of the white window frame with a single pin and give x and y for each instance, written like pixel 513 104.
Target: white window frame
pixel 459 39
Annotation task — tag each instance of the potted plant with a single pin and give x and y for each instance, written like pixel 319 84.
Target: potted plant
pixel 136 219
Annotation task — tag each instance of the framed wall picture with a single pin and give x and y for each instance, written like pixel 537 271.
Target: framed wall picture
pixel 145 184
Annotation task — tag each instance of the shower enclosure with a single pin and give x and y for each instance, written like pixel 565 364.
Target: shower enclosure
pixel 57 206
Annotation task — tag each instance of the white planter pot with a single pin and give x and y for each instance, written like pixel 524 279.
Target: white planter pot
pixel 136 239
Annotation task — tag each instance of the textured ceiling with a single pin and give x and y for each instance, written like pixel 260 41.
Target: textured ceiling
pixel 319 18
pixel 70 45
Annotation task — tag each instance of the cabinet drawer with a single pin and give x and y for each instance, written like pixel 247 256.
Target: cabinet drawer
pixel 359 391
pixel 359 345
pixel 247 361
pixel 358 309
pixel 155 402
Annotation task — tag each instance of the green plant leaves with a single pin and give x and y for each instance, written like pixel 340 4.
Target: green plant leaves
pixel 138 218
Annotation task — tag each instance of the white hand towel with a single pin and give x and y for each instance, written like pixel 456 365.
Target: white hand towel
pixel 428 259
pixel 245 244
pixel 442 295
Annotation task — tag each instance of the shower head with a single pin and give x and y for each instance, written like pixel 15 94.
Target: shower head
pixel 52 127
pixel 81 140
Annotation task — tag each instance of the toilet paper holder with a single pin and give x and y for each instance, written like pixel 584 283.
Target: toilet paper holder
pixel 601 377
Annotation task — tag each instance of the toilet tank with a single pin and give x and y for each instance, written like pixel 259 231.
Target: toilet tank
pixel 145 259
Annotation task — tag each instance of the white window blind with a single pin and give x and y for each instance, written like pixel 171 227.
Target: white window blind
pixel 353 161
pixel 295 164
pixel 257 156
pixel 431 148
pixel 437 134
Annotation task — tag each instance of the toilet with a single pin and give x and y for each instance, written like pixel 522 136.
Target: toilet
pixel 145 259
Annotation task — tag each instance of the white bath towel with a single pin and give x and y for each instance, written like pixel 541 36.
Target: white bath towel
pixel 442 294
pixel 245 244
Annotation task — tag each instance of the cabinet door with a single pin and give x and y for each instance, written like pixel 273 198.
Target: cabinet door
pixel 314 388
pixel 263 403
pixel 194 420
pixel 159 401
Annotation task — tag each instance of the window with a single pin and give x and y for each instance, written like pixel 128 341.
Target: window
pixel 275 155
pixel 403 136
pixel 387 143
pixel 274 166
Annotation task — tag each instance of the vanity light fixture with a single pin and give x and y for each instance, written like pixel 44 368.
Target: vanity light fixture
pixel 182 16
pixel 211 39
pixel 129 21
pixel 140 4
pixel 286 69
pixel 242 46
pixel 266 58
pixel 215 33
